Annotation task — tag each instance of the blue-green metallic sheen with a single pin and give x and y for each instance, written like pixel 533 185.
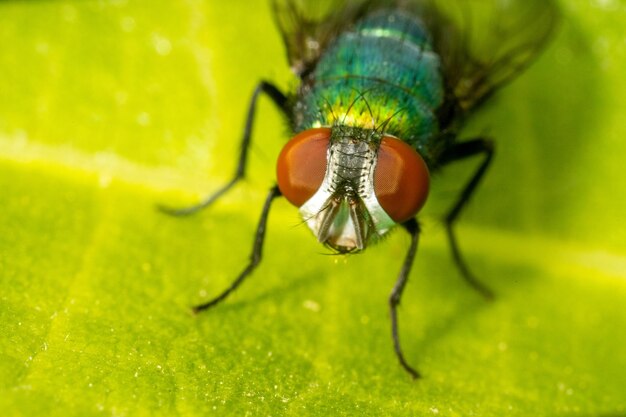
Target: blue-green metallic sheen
pixel 382 74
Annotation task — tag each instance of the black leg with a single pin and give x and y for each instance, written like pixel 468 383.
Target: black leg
pixel 461 151
pixel 255 256
pixel 412 227
pixel 281 101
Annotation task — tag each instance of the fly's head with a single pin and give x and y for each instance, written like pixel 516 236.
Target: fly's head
pixel 352 185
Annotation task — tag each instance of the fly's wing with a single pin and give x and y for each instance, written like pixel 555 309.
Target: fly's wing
pixel 484 44
pixel 308 26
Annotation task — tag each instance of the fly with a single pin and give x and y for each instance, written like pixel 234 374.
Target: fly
pixel 385 88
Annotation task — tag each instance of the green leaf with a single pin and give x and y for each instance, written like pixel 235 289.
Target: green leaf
pixel 112 107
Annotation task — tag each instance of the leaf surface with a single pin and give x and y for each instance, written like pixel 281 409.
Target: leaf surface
pixel 112 107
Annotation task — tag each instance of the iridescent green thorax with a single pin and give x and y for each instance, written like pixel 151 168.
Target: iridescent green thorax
pixel 381 75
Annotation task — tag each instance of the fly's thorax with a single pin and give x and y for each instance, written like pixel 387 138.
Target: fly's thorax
pixel 383 73
pixel 352 185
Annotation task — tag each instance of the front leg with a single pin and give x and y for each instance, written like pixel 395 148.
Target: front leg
pixel 255 255
pixel 413 228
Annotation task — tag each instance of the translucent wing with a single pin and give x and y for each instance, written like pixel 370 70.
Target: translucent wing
pixel 308 26
pixel 483 44
pixel 486 43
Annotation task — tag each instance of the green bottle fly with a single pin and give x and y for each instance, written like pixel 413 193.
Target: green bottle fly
pixel 385 88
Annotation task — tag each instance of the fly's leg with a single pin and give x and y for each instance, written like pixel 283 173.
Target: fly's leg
pixel 281 101
pixel 255 255
pixel 413 228
pixel 457 152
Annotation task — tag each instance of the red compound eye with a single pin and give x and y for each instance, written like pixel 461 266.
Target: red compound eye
pixel 302 165
pixel 401 179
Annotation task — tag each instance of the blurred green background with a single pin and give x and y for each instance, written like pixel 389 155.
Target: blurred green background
pixel 109 107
